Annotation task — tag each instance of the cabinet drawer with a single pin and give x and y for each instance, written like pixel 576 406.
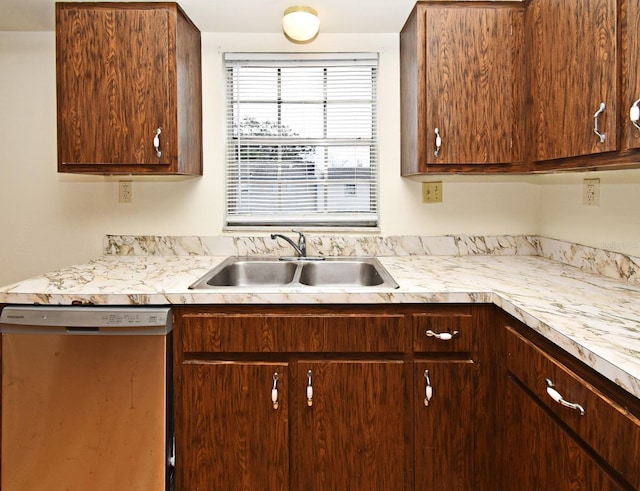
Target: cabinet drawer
pixel 281 332
pixel 605 426
pixel 446 332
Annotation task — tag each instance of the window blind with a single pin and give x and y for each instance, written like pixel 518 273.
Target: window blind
pixel 301 139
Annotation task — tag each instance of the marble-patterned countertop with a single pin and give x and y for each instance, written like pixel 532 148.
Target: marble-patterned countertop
pixel 595 318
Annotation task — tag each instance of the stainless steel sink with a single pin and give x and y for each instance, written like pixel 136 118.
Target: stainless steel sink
pixel 236 272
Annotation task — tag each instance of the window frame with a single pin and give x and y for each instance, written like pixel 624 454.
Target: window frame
pixel 333 178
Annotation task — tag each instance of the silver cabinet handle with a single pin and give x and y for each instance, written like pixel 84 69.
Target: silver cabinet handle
pixel 428 390
pixel 443 336
pixel 438 142
pixel 156 142
pixel 556 396
pixel 634 114
pixel 274 392
pixel 309 388
pixel 600 110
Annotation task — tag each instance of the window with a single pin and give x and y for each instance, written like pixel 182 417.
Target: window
pixel 301 139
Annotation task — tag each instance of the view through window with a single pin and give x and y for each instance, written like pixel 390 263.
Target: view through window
pixel 302 139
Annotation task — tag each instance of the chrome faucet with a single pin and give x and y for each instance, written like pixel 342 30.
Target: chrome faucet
pixel 300 247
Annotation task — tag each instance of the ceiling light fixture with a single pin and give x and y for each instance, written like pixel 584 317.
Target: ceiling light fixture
pixel 300 24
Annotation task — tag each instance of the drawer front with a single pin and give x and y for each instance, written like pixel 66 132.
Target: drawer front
pixel 255 333
pixel 444 332
pixel 605 426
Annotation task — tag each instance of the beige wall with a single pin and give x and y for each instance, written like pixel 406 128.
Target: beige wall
pixel 48 220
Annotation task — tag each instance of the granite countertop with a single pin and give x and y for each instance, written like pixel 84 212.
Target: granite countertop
pixel 593 317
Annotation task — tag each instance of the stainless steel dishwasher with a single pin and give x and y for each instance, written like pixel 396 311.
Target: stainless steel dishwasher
pixel 86 399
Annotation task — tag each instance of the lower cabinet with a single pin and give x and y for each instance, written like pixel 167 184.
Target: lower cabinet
pixel 543 454
pixel 324 398
pixel 573 429
pixel 391 398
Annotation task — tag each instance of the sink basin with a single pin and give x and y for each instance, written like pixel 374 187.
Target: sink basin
pixel 352 273
pixel 236 272
pixel 248 272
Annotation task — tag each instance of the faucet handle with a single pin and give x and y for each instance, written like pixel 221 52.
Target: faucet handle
pixel 302 242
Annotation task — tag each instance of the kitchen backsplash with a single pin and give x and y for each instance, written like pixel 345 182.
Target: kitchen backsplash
pixel 588 259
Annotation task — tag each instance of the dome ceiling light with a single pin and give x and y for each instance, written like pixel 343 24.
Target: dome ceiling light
pixel 300 24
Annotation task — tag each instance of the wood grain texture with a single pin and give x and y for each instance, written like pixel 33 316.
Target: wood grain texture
pixel 542 455
pixel 630 68
pixel 231 438
pixel 532 367
pixel 360 432
pixel 571 54
pixel 353 435
pixel 468 59
pixel 122 72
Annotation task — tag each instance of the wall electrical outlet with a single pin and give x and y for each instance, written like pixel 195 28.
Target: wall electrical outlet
pixel 432 192
pixel 125 192
pixel 591 192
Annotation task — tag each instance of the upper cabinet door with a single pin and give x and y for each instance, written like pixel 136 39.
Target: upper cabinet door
pixel 122 101
pixel 629 21
pixel 461 88
pixel 572 76
pixel 468 88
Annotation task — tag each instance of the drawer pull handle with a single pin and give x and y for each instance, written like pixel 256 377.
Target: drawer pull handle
pixel 556 396
pixel 274 392
pixel 443 336
pixel 438 143
pixel 309 388
pixel 428 390
pixel 634 114
pixel 600 110
pixel 156 142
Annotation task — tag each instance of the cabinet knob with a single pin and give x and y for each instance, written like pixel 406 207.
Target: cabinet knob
pixel 634 114
pixel 556 396
pixel 600 110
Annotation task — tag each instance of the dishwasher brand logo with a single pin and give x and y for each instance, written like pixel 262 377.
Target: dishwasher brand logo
pixel 14 316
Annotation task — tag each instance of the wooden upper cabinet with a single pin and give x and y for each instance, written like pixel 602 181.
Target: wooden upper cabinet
pixel 630 47
pixel 461 79
pixel 572 58
pixel 126 73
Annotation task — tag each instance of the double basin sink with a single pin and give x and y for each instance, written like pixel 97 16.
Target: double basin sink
pixel 296 272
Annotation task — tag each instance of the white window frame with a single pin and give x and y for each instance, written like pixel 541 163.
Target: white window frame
pixel 343 195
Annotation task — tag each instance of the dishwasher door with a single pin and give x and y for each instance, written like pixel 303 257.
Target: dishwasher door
pixel 86 399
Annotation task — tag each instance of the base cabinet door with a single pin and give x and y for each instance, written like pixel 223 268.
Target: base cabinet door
pixel 238 437
pixel 444 425
pixel 350 432
pixel 543 455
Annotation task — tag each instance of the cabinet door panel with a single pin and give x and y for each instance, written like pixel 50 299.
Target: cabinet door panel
pixel 469 90
pixel 228 434
pixel 543 455
pixel 353 436
pixel 112 89
pixel 444 430
pixel 630 20
pixel 571 51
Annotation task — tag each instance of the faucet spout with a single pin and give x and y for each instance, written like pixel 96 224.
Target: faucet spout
pixel 300 247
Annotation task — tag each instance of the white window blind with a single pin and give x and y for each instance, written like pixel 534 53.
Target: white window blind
pixel 302 139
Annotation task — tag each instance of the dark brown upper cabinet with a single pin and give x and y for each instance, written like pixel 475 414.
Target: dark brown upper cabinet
pixel 129 89
pixel 462 88
pixel 583 84
pixel 572 62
